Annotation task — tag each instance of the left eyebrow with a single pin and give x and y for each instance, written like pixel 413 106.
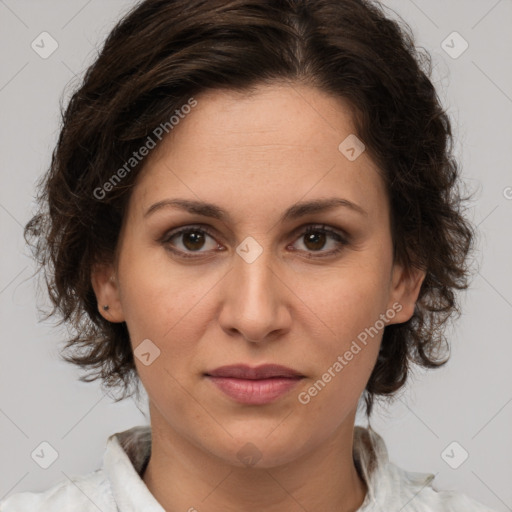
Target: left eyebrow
pixel 294 212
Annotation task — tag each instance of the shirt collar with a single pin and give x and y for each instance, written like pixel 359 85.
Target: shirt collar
pixel 388 484
pixel 123 461
pixel 127 453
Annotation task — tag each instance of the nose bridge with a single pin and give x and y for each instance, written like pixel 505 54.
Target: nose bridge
pixel 253 305
pixel 253 275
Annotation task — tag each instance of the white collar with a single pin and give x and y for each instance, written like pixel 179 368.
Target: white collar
pixel 388 485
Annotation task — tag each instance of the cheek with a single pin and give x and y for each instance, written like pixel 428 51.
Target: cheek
pixel 345 301
pixel 168 305
pixel 346 308
pixel 156 293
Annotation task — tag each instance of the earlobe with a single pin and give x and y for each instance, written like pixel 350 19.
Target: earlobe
pixel 106 289
pixel 406 286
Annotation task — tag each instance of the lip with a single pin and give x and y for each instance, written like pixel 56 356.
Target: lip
pixel 254 385
pixel 243 371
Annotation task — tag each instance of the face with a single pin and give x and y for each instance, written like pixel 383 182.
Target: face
pixel 268 282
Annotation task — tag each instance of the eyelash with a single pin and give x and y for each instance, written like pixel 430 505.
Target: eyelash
pixel 343 241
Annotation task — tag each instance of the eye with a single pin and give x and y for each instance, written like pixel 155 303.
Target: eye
pixel 194 238
pixel 314 238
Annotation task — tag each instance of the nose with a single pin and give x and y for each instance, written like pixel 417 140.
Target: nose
pixel 255 300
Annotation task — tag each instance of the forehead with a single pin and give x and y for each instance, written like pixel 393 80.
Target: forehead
pixel 274 146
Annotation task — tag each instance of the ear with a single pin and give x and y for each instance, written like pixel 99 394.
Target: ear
pixel 405 288
pixel 106 289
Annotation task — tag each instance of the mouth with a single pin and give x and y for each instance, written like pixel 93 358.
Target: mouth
pixel 255 386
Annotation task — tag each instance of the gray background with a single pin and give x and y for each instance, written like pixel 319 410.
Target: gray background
pixel 468 401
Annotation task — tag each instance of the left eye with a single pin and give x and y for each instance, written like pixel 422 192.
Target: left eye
pixel 193 239
pixel 315 238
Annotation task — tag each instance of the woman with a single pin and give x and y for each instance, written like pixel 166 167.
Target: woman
pixel 253 209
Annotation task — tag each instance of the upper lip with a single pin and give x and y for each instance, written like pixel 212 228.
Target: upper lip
pixel 243 371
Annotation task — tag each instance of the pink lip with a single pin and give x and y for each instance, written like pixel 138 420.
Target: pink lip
pixel 256 386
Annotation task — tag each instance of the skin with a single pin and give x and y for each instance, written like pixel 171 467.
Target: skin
pixel 255 156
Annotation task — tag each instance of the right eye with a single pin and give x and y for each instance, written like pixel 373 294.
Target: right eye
pixel 191 239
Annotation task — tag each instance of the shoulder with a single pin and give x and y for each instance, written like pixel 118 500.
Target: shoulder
pixel 416 493
pixel 117 482
pixel 85 493
pixel 393 488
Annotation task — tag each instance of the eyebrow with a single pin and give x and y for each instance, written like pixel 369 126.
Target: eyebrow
pixel 294 212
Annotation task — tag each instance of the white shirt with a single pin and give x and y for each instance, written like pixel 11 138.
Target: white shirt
pixel 117 486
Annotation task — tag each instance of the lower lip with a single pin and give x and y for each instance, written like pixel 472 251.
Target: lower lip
pixel 254 392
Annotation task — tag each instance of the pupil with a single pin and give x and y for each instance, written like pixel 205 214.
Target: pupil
pixel 318 240
pixel 196 238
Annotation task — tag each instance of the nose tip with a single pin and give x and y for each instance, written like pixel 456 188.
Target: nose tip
pixel 254 304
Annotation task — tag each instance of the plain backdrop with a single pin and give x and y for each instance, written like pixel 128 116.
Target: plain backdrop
pixel 468 402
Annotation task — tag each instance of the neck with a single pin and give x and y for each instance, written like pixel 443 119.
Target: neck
pixel 183 477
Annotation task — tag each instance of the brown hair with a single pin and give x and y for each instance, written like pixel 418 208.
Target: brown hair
pixel 165 51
